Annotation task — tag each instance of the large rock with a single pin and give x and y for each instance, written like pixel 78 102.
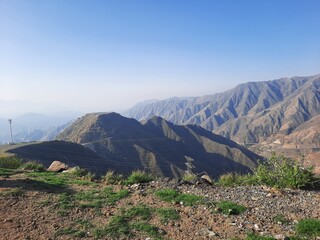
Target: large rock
pixel 57 166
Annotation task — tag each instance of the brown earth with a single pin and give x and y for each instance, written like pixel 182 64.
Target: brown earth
pixel 34 214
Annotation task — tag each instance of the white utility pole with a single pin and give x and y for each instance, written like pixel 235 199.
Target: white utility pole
pixel 10 123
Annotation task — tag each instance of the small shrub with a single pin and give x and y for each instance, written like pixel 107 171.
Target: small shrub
pixel 283 172
pixel 112 178
pixel 138 177
pixel 308 227
pixel 189 177
pixel 32 165
pixel 10 162
pixel 230 208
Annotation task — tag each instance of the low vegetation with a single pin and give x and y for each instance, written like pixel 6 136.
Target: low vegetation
pixel 128 223
pixel 32 165
pixel 308 228
pixel 229 208
pixel 113 178
pixel 14 192
pixel 138 177
pixel 189 177
pixel 278 171
pixel 143 220
pixel 253 236
pixel 10 162
pixel 173 196
pixel 6 172
pixel 168 214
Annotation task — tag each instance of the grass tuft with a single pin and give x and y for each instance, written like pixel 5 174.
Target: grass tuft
pixel 278 171
pixel 138 177
pixel 112 178
pixel 10 162
pixel 32 165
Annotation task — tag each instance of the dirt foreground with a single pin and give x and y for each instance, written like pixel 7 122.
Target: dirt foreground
pixel 31 209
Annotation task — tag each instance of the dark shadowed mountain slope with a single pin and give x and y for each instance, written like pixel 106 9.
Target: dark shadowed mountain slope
pixel 249 113
pixel 158 146
pixel 70 153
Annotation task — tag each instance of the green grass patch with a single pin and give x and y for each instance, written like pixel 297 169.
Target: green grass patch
pixel 65 201
pixel 6 172
pixel 128 223
pixel 141 211
pixel 14 192
pixel 253 236
pixel 60 179
pixel 167 214
pixel 10 162
pixel 170 195
pixel 118 226
pixel 32 165
pixel 89 199
pixel 308 227
pixel 138 177
pixel 230 208
pixel 53 178
pixel 146 228
pixel 97 198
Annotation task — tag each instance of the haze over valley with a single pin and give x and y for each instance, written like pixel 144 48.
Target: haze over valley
pixel 162 119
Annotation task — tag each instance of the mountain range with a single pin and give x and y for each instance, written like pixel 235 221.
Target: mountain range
pixel 248 114
pixel 157 146
pixel 35 126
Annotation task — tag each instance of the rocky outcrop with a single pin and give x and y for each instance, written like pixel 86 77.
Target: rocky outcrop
pixel 57 166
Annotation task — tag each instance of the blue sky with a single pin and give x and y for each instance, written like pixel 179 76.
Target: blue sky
pixel 108 55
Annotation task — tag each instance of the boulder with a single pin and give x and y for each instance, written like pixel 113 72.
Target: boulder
pixel 207 179
pixel 57 166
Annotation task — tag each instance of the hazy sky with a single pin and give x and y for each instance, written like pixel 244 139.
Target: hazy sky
pixel 107 55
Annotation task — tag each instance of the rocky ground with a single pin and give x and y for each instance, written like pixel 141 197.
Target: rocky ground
pixel 31 208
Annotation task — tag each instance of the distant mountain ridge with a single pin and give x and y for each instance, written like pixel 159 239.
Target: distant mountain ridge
pixel 157 146
pixel 35 126
pixel 248 113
